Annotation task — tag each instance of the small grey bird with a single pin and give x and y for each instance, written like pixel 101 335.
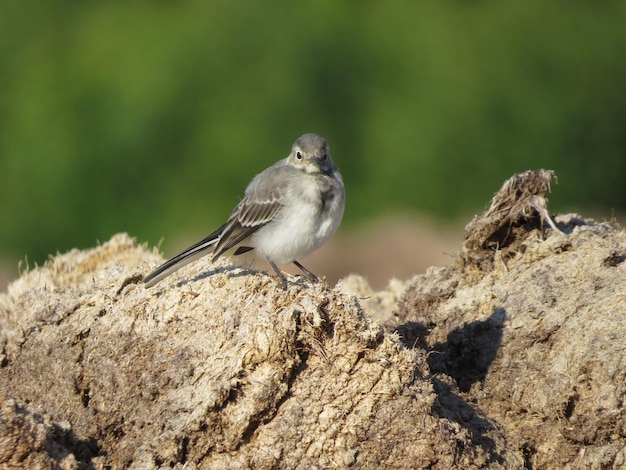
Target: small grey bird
pixel 288 211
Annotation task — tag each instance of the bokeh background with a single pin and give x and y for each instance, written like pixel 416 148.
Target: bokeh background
pixel 151 117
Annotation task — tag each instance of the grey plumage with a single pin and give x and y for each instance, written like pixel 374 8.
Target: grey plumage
pixel 273 200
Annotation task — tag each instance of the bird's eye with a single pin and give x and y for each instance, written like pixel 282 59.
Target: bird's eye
pixel 324 157
pixel 299 155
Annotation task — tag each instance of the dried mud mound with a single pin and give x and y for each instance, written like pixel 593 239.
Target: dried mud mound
pixel 224 370
pixel 513 358
pixel 530 328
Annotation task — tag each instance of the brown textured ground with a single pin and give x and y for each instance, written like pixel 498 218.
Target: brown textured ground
pixel 513 358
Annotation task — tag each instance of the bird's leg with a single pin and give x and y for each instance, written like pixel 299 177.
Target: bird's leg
pixel 312 277
pixel 279 273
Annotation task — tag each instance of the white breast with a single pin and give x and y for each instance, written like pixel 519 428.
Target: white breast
pixel 303 224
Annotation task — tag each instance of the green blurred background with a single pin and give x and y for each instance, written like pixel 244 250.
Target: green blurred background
pixel 151 117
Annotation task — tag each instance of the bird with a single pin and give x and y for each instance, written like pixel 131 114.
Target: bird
pixel 288 211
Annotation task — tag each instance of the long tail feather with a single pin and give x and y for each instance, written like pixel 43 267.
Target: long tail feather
pixel 182 259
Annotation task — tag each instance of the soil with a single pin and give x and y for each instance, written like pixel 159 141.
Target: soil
pixel 512 357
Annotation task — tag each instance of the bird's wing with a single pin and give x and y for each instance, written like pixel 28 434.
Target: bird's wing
pixel 263 199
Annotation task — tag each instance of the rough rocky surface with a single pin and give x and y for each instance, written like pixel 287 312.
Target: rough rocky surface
pixel 513 358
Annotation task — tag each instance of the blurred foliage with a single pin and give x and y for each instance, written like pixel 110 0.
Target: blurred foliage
pixel 151 117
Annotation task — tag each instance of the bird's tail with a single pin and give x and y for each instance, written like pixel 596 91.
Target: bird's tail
pixel 182 259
